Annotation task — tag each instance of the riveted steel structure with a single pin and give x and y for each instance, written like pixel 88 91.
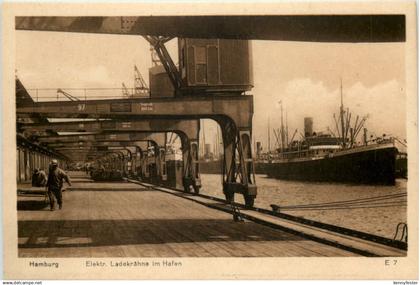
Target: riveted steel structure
pixel 116 131
pixel 113 154
pixel 233 113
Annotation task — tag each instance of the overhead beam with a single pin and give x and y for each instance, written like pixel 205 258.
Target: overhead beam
pixel 92 148
pixel 24 142
pixel 238 108
pixel 120 137
pixel 141 144
pixel 309 28
pixel 188 127
pixel 72 144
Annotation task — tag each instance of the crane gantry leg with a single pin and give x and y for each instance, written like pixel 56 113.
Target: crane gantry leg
pixel 238 166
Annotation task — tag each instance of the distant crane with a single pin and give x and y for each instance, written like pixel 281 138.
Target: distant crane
pixel 125 91
pixel 69 96
pixel 140 86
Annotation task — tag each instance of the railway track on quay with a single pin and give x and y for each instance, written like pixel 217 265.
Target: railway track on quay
pixel 354 241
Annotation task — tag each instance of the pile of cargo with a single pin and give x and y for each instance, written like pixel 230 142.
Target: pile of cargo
pixel 106 175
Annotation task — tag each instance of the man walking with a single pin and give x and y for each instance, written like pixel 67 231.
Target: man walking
pixel 55 183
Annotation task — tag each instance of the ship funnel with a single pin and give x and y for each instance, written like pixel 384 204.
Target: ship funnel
pixel 308 126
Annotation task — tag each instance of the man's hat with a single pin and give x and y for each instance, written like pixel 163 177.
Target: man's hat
pixel 54 162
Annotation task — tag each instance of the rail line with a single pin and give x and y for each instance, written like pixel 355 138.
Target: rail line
pixel 351 240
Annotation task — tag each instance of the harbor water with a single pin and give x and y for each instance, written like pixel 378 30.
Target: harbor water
pixel 369 208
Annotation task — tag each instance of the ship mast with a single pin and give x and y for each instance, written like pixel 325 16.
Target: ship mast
pixel 287 132
pixel 204 138
pixel 268 132
pixel 282 126
pixel 342 114
pixel 218 143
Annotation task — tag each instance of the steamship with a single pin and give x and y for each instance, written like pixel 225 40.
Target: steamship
pixel 334 157
pixel 322 158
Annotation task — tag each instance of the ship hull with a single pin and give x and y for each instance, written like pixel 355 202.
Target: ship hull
pixel 401 167
pixel 374 165
pixel 259 167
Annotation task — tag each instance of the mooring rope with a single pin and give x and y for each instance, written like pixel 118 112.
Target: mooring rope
pixel 397 199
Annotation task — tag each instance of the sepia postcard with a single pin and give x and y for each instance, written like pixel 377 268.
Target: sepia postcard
pixel 210 141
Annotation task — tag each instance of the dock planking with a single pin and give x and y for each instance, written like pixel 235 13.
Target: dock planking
pixel 129 220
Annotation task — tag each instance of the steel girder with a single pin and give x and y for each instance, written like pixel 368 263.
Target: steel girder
pixel 233 113
pixel 188 131
pixel 187 126
pixel 312 28
pixel 237 108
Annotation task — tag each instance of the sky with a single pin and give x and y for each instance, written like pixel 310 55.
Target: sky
pixel 304 76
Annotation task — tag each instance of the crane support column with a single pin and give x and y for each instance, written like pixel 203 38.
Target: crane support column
pixel 191 177
pixel 238 165
pixel 160 152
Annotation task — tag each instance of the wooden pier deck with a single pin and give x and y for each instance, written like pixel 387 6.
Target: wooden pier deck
pixel 129 220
